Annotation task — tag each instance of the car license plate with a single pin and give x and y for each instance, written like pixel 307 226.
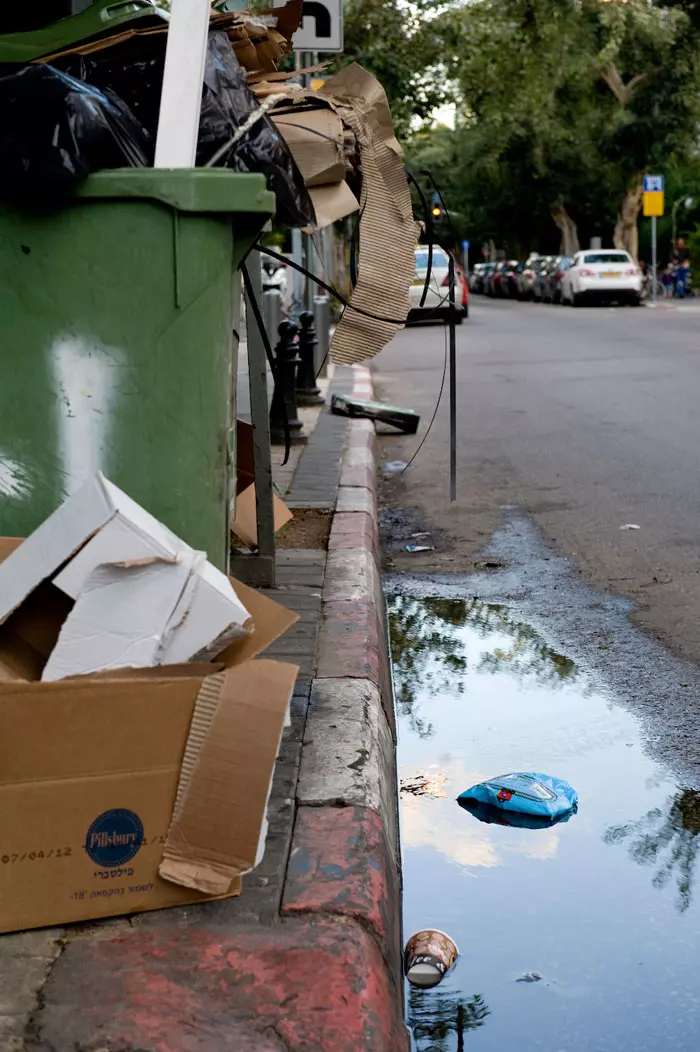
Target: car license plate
pixel 418 281
pixel 611 274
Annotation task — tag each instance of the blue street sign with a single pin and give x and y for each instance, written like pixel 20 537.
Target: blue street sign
pixel 653 184
pixel 465 246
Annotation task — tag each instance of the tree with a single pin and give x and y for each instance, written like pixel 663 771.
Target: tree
pixel 563 107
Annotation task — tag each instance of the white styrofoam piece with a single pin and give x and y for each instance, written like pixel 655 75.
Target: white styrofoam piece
pixel 215 618
pixel 181 96
pixel 119 619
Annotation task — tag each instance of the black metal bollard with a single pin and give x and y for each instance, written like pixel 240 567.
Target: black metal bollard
pixel 283 408
pixel 307 391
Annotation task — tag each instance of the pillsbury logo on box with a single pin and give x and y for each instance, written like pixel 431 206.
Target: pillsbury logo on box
pixel 114 838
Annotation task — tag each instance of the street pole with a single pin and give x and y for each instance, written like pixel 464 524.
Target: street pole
pixel 465 258
pixel 653 259
pixel 453 384
pixel 297 241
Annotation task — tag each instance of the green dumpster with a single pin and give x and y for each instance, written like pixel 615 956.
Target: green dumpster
pixel 116 346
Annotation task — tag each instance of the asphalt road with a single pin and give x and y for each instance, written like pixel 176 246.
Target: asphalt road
pixel 586 420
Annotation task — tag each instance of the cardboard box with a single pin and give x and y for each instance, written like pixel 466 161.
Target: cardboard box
pixel 133 790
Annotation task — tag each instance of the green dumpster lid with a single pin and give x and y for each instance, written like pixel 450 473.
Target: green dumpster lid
pixel 186 189
pixel 102 17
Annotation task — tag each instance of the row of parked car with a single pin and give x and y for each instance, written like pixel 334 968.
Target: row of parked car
pixel 594 275
pixel 537 278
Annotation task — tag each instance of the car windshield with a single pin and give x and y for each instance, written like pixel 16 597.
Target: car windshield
pixel 439 260
pixel 606 257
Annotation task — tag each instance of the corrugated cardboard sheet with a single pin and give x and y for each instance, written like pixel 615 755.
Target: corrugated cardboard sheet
pixel 388 231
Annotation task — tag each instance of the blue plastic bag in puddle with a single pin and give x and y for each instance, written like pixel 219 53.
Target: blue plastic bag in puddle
pixel 536 795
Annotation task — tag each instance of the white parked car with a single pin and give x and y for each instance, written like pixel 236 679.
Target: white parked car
pixel 436 299
pixel 602 274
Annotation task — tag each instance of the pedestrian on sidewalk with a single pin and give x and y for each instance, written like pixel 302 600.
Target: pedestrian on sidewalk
pixel 668 280
pixel 683 279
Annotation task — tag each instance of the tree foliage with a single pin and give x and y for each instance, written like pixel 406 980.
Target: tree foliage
pixel 403 46
pixel 563 106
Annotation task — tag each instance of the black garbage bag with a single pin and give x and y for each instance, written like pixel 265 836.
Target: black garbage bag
pixel 56 130
pixel 134 70
pixel 227 102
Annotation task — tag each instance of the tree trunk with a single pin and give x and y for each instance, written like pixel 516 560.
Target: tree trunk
pixel 626 234
pixel 569 230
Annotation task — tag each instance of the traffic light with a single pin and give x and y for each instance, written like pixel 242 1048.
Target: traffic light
pixel 436 207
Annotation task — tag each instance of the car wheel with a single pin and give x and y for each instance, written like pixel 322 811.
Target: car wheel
pixel 635 301
pixel 577 300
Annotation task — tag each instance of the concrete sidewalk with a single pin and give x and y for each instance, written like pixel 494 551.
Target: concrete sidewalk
pixel 308 958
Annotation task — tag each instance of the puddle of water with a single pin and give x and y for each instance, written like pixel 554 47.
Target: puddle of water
pixel 580 938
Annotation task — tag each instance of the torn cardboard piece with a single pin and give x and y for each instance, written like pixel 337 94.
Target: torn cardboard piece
pixel 141 538
pixel 142 596
pixel 245 521
pixel 388 231
pixel 316 138
pixel 234 741
pixel 331 203
pixel 319 144
pixel 91 768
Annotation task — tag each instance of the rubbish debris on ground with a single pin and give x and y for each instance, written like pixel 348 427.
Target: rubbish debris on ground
pixel 529 977
pixel 428 957
pixel 630 526
pixel 142 784
pixel 395 467
pixel 425 785
pixel 529 795
pixel 405 420
pixel 413 548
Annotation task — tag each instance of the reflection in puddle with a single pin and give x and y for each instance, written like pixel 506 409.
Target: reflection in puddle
pixel 668 838
pixel 601 908
pixel 440 1020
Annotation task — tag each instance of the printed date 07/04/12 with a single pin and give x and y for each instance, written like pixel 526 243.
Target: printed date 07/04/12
pixel 33 856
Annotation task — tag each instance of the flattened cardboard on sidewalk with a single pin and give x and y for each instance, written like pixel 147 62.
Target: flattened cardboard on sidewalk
pixel 134 790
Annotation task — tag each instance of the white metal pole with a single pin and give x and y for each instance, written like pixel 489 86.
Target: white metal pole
pixel 181 97
pixel 653 258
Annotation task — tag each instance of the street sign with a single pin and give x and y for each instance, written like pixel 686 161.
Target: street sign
pixel 653 184
pixel 321 25
pixel 653 203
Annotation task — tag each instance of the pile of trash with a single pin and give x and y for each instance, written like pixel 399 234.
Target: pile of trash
pixel 140 734
pixel 90 92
